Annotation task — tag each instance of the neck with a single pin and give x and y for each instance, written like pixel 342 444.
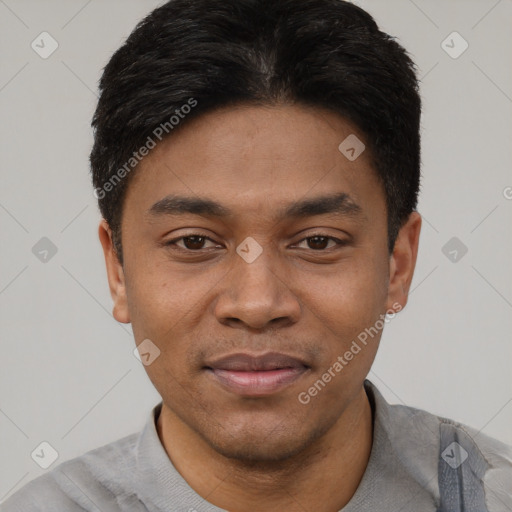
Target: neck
pixel 323 477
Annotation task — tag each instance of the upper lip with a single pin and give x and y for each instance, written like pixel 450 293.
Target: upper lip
pixel 244 362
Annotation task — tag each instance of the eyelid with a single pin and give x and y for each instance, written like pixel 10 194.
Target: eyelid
pixel 188 235
pixel 339 242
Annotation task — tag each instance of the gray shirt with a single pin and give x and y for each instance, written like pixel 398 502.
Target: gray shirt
pixel 418 462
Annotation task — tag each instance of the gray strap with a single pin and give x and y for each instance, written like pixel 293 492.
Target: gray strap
pixel 461 470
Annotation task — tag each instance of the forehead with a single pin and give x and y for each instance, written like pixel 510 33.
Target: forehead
pixel 256 160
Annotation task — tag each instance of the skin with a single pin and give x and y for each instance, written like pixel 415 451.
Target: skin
pixel 304 298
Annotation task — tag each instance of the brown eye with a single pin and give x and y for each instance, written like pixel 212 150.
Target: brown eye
pixel 191 243
pixel 317 242
pixel 320 242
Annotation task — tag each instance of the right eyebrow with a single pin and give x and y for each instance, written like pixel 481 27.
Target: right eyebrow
pixel 179 205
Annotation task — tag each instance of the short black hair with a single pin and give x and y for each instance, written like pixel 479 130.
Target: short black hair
pixel 189 57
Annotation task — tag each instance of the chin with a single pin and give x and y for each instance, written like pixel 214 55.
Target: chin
pixel 267 445
pixel 259 451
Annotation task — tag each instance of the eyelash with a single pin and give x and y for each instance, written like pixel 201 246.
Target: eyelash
pixel 339 242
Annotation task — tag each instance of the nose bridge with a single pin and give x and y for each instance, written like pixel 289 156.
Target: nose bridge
pixel 256 294
pixel 255 276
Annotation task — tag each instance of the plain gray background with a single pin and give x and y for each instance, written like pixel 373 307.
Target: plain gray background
pixel 68 375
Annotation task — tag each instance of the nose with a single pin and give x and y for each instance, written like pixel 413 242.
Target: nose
pixel 257 296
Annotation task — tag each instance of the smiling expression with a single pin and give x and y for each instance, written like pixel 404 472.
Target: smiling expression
pixel 248 234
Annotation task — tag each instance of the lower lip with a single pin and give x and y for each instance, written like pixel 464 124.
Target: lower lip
pixel 257 383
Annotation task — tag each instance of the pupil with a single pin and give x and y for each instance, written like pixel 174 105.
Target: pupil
pixel 314 240
pixel 197 241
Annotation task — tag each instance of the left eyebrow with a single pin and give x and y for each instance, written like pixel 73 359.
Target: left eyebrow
pixel 336 204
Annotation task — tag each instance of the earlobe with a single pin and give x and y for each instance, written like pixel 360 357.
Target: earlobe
pixel 115 274
pixel 403 261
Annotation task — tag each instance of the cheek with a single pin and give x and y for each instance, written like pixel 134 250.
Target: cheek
pixel 350 296
pixel 347 308
pixel 157 296
pixel 168 305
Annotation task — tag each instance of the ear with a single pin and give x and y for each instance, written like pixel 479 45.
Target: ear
pixel 115 273
pixel 402 262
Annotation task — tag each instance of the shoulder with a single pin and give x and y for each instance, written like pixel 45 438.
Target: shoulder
pixel 442 432
pixel 448 458
pixel 98 477
pixel 467 453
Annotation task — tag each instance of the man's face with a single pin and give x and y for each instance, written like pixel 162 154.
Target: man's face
pixel 256 281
